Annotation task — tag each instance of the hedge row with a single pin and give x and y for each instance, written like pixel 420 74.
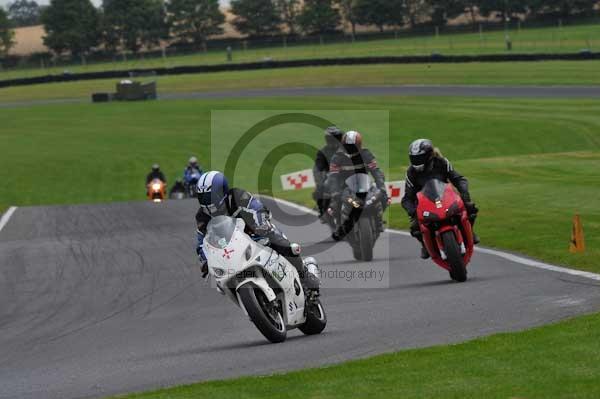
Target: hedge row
pixel 250 66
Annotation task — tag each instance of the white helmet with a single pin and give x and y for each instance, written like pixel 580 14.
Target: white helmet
pixel 193 161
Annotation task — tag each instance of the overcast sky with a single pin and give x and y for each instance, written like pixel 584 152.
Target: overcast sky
pixel 96 2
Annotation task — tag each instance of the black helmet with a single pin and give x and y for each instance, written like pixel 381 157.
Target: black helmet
pixel 420 153
pixel 333 135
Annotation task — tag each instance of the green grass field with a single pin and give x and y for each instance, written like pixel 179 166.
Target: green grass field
pixel 557 361
pixel 534 40
pixel 525 73
pixel 533 164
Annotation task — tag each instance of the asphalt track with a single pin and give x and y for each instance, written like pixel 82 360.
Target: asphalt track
pixel 107 299
pixel 401 90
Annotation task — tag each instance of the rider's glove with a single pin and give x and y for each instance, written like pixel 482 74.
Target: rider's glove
pixel 384 196
pixel 412 214
pixel 415 229
pixel 204 268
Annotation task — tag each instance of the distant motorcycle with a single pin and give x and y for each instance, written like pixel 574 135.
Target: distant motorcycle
pixel 156 190
pixel 177 192
pixel 444 223
pixel 177 195
pixel 365 213
pixel 190 180
pixel 260 281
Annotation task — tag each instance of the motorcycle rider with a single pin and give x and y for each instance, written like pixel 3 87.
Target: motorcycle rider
pixel 352 159
pixel 155 173
pixel 333 137
pixel 426 163
pixel 216 199
pixel 178 187
pixel 190 173
pixel 191 168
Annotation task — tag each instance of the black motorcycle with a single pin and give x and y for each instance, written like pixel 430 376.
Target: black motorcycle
pixel 362 209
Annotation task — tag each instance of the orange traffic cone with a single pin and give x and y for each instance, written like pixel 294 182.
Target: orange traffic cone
pixel 577 240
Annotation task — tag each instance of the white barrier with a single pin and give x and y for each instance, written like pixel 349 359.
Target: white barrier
pixel 304 179
pixel 298 180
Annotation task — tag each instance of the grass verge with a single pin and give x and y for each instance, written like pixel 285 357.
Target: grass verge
pixel 518 73
pixel 556 361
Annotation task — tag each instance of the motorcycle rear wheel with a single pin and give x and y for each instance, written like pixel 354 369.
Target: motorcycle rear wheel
pixel 454 257
pixel 268 320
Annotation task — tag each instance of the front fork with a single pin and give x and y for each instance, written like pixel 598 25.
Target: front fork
pixel 457 234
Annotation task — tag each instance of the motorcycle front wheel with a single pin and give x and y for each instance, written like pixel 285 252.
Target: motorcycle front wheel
pixel 455 259
pixel 265 315
pixel 366 239
pixel 316 320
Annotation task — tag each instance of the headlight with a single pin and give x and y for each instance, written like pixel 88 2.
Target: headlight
pixel 156 186
pixel 453 210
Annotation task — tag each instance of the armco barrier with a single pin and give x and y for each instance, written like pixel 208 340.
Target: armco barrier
pixel 436 58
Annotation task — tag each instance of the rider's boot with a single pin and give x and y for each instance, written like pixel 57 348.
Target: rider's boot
pixel 380 221
pixel 381 225
pixel 338 234
pixel 310 277
pixel 307 270
pixel 472 219
pixel 342 230
pixel 424 253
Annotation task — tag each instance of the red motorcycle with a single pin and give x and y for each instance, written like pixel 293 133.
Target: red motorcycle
pixel 444 223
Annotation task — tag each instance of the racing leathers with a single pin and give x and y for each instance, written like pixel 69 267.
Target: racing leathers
pixel 438 168
pixel 155 174
pixel 241 204
pixel 344 165
pixel 190 175
pixel 320 172
pixel 178 187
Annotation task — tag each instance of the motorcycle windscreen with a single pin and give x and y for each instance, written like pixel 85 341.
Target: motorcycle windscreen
pixel 434 190
pixel 220 230
pixel 359 183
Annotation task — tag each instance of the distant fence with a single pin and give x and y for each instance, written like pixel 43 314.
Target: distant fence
pixel 250 66
pixel 47 60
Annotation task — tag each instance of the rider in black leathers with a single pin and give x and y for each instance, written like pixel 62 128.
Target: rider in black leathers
pixel 428 163
pixel 349 160
pixel 333 137
pixel 156 173
pixel 178 187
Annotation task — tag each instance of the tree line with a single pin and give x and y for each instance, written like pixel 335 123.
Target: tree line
pixel 76 26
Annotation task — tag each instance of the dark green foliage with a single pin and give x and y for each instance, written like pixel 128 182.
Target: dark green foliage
pixel 6 33
pixel 71 25
pixel 319 16
pixel 132 24
pixel 256 17
pixel 289 13
pixel 443 10
pixel 195 20
pixel 24 13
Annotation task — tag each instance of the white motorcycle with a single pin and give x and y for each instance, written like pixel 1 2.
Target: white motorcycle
pixel 260 281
